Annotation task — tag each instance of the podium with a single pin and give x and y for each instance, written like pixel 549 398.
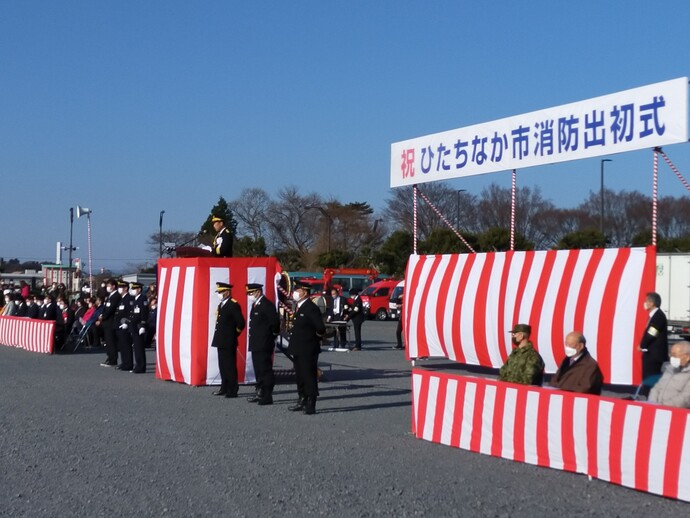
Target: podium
pixel 187 305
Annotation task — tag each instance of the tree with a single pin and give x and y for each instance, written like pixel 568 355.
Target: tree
pixel 399 211
pixel 587 238
pixel 393 254
pixel 334 259
pixel 290 259
pixel 497 239
pixel 444 241
pixel 245 246
pixel 250 209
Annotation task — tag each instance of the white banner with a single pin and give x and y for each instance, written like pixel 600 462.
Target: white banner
pixel 641 118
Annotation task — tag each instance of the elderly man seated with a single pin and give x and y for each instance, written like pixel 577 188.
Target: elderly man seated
pixel 579 372
pixel 673 389
pixel 524 365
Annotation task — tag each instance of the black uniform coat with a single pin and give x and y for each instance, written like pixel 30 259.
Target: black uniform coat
pixel 357 311
pixel 33 311
pixel 307 330
pixel 655 341
pixel 110 305
pixel 222 243
pixel 264 326
pixel 229 324
pixel 343 308
pixel 49 312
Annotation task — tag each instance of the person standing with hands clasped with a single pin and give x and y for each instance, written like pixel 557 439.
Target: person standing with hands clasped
pixel 305 345
pixel 229 324
pixel 138 317
pixel 264 326
pixel 357 316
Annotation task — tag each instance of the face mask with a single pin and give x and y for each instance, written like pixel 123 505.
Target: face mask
pixel 109 289
pixel 46 302
pixel 252 298
pixel 570 351
pixel 134 293
pixel 675 362
pixel 61 306
pixel 121 291
pixel 296 296
pixel 220 296
pixel 7 301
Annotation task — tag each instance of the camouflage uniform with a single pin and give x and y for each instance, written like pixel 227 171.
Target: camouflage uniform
pixel 524 366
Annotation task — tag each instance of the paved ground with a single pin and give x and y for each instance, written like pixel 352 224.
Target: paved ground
pixel 77 439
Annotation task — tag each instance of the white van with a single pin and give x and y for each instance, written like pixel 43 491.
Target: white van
pixel 395 299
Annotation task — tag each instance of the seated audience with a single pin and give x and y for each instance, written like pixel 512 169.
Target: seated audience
pixel 579 372
pixel 524 365
pixel 673 389
pixel 33 309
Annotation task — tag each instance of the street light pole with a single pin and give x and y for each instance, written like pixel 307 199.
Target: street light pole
pixel 160 235
pixel 69 264
pixel 457 215
pixel 601 194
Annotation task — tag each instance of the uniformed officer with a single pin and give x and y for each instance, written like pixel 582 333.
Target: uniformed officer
pixel 137 327
pixel 229 324
pixel 122 321
pixel 305 345
pixel 222 243
pixel 107 322
pixel 264 327
pixel 357 316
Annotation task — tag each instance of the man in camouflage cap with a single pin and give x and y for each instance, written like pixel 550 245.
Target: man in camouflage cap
pixel 524 365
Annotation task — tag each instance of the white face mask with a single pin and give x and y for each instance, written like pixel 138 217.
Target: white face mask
pixel 675 362
pixel 296 296
pixel 134 293
pixel 570 351
pixel 61 306
pixel 220 296
pixel 253 299
pixel 121 291
pixel 109 289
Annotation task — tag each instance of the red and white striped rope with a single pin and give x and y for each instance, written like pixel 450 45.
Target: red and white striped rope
pixel 512 210
pixel 438 213
pixel 414 219
pixel 675 170
pixel 655 188
pixel 282 304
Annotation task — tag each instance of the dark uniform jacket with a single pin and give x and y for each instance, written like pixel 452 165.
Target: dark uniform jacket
pixel 222 243
pixel 110 305
pixel 583 375
pixel 139 312
pixel 307 330
pixel 655 337
pixel 33 311
pixel 356 312
pixel 229 324
pixel 264 326
pixel 49 312
pixel 124 310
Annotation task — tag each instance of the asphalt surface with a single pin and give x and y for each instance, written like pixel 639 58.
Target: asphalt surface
pixel 77 439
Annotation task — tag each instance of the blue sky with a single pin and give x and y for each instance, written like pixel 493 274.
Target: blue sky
pixel 130 108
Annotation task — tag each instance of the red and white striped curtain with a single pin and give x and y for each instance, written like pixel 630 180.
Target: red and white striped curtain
pixel 461 306
pixel 187 305
pixel 27 333
pixel 638 445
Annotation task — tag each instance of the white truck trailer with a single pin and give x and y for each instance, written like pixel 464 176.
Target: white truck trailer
pixel 673 284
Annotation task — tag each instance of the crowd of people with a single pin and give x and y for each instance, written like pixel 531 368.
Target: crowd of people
pixel 666 378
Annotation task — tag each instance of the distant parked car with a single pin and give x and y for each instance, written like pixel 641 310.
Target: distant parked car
pixel 376 297
pixel 395 299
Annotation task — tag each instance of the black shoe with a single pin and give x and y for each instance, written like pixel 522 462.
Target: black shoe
pixel 218 393
pixel 266 400
pixel 107 364
pixel 398 347
pixel 310 407
pixel 355 349
pixel 254 399
pixel 123 368
pixel 230 395
pixel 298 406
